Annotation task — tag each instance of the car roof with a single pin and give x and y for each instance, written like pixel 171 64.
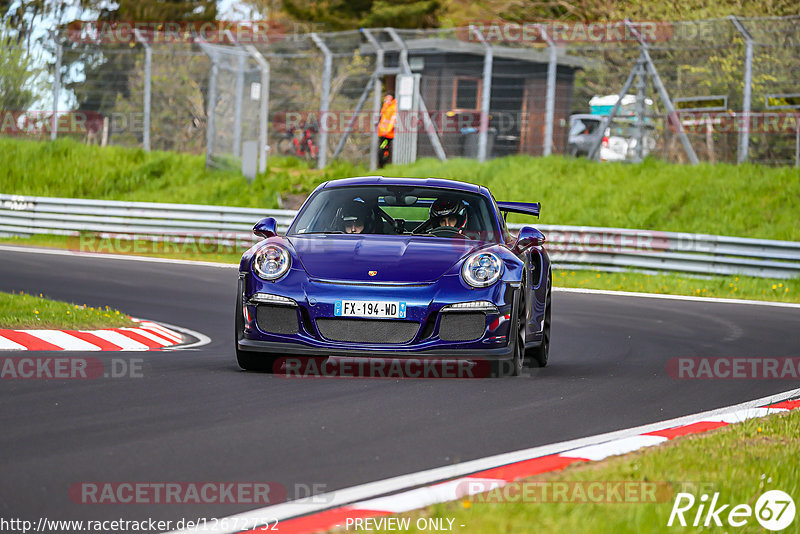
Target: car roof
pixel 414 182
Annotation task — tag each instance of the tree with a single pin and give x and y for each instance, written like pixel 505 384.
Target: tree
pixel 106 69
pixel 352 14
pixel 19 75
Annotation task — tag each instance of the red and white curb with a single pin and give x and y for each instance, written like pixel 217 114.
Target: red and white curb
pixel 147 336
pixel 375 499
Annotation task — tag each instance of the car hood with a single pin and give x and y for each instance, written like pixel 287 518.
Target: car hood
pixel 401 259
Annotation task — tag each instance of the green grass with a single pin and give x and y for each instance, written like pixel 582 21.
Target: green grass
pixel 740 461
pixel 744 200
pixel 24 311
pixel 65 168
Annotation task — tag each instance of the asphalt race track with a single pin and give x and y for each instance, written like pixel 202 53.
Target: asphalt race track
pixel 193 415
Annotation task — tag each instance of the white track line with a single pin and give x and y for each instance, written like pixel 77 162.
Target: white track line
pixel 61 252
pixel 202 339
pixel 125 257
pixel 674 297
pixel 378 488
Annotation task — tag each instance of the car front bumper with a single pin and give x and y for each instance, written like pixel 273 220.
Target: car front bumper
pixel 308 326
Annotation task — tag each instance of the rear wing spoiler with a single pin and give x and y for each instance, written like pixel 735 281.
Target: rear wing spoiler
pixel 525 208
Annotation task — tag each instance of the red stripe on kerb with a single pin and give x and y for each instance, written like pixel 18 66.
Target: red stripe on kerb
pixel 694 428
pixel 140 338
pixel 528 468
pixel 322 521
pixel 159 334
pixel 786 405
pixel 94 340
pixel 28 341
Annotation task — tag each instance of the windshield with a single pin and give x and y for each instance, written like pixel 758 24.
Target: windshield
pixel 584 126
pixel 397 210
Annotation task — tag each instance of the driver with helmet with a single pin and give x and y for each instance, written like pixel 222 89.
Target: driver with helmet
pixel 356 218
pixel 449 212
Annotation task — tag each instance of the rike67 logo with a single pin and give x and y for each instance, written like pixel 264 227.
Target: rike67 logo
pixel 774 510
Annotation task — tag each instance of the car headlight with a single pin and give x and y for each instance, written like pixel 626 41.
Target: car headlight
pixel 271 262
pixel 482 269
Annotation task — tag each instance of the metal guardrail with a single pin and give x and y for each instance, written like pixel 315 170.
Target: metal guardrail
pixel 610 249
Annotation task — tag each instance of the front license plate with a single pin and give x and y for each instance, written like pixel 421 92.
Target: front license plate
pixel 370 308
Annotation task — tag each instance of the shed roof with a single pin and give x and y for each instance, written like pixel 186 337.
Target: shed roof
pixel 432 45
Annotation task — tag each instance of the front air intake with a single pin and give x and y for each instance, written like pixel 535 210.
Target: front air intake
pixel 367 330
pixel 458 326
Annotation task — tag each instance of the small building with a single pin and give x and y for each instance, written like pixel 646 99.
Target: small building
pixel 451 85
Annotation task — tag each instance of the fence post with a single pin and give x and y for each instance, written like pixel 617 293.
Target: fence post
pixel 430 129
pixel 148 75
pixel 376 100
pixel 212 107
pixel 650 68
pixel 486 94
pixel 263 112
pixel 56 92
pixel 744 134
pixel 324 100
pixel 641 109
pixel 550 106
pixel 237 112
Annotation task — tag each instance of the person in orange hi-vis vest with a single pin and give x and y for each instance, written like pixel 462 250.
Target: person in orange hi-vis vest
pixel 386 129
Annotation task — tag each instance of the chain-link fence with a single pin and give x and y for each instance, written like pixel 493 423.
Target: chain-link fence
pixel 723 90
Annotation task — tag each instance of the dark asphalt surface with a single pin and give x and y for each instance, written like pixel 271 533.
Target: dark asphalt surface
pixel 194 416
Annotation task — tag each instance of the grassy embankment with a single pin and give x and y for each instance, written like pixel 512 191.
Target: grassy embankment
pixel 740 462
pixel 745 200
pixel 23 311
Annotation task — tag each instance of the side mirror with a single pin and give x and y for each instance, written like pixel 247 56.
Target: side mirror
pixel 267 227
pixel 529 237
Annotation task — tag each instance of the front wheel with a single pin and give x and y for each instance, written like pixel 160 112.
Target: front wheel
pixel 248 360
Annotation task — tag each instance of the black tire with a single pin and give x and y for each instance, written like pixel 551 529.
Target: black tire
pixel 513 367
pixel 541 353
pixel 249 360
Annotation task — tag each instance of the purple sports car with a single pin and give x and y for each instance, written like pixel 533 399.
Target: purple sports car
pixel 396 268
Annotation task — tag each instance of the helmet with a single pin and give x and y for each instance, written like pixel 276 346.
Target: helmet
pixel 448 207
pixel 356 210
